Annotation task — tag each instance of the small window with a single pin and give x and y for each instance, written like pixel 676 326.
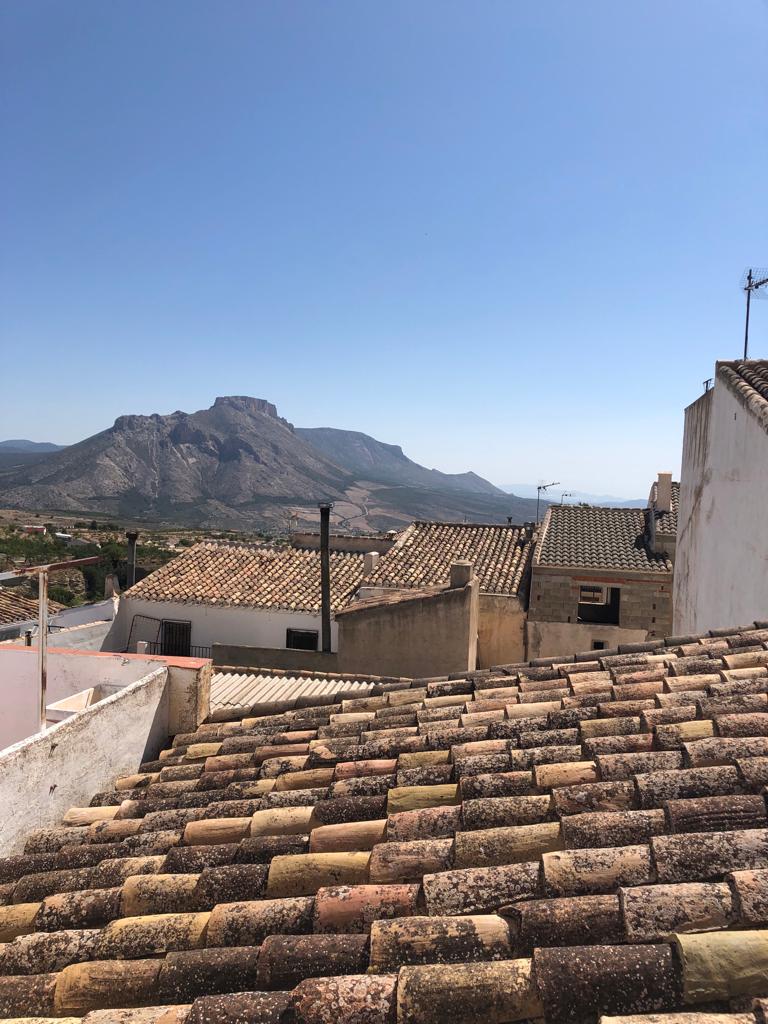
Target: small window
pixel 176 638
pixel 301 639
pixel 598 645
pixel 591 595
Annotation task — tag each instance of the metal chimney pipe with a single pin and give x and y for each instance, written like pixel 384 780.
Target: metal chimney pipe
pixel 325 574
pixel 132 538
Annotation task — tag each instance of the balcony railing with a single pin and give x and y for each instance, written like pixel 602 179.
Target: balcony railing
pixel 192 651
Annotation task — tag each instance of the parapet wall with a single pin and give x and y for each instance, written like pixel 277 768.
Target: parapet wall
pixel 43 776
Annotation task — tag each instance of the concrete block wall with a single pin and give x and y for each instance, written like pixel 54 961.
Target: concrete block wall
pixel 645 603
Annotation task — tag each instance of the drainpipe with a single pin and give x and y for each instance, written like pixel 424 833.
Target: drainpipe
pixel 325 574
pixel 132 538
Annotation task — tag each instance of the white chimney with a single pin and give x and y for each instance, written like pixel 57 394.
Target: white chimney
pixel 369 563
pixel 664 493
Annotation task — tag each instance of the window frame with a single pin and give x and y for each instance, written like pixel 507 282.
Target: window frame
pixel 293 633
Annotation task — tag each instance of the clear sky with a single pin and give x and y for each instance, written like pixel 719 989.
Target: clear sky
pixel 506 235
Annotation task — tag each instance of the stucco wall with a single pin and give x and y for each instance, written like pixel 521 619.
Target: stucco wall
pixel 239 626
pixel 88 637
pixel 546 639
pixel 67 675
pixel 70 672
pixel 424 636
pixel 501 631
pixel 243 656
pixel 721 573
pixel 43 776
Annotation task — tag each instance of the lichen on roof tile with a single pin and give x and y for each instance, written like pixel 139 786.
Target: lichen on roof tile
pixel 424 552
pixel 253 576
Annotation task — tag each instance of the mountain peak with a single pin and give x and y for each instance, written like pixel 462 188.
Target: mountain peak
pixel 244 403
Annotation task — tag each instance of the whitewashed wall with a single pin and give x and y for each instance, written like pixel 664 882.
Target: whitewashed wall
pixel 43 776
pixel 67 674
pixel 721 568
pixel 254 627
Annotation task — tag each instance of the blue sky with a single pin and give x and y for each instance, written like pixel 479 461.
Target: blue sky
pixel 506 235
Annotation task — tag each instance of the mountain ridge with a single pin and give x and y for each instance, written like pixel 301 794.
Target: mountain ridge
pixel 367 457
pixel 239 464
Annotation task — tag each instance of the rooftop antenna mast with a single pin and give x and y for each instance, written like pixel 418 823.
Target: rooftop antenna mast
pixel 754 279
pixel 539 489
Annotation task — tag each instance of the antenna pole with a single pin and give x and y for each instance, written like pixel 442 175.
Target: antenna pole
pixel 748 290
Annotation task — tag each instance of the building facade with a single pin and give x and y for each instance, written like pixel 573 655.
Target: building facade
pixel 602 577
pixel 237 594
pixel 722 543
pixel 500 557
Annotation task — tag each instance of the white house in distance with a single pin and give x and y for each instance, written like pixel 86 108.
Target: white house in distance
pixel 721 570
pixel 237 594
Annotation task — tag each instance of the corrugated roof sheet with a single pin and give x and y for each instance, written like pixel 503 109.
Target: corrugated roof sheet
pixel 234 689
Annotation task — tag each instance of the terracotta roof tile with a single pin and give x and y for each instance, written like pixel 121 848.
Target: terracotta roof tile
pixel 424 551
pixel 238 575
pixel 587 537
pixel 375 879
pixel 15 607
pixel 749 381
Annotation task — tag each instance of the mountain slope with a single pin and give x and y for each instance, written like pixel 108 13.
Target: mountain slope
pixel 240 465
pixel 368 459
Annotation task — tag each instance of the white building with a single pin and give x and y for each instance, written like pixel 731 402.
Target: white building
pixel 721 571
pixel 237 594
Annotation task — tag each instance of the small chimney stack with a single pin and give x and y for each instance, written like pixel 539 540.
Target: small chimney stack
pixel 369 563
pixel 111 585
pixel 461 574
pixel 132 537
pixel 664 493
pixel 325 575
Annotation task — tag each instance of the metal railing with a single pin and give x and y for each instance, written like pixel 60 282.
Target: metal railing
pixel 194 650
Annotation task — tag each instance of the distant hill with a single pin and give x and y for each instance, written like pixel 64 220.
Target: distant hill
pixel 18 452
pixel 607 500
pixel 19 445
pixel 238 465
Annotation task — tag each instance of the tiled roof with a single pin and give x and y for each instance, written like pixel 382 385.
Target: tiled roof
pixel 239 575
pixel 15 607
pixel 562 843
pixel 749 380
pixel 586 537
pixel 666 522
pixel 424 551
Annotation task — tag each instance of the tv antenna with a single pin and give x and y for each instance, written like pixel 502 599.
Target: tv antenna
pixel 753 280
pixel 539 489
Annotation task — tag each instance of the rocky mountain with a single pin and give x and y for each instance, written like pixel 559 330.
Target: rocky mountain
pixel 240 465
pixel 369 459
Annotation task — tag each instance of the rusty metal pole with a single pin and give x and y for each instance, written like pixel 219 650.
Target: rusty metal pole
pixel 42 642
pixel 325 574
pixel 132 537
